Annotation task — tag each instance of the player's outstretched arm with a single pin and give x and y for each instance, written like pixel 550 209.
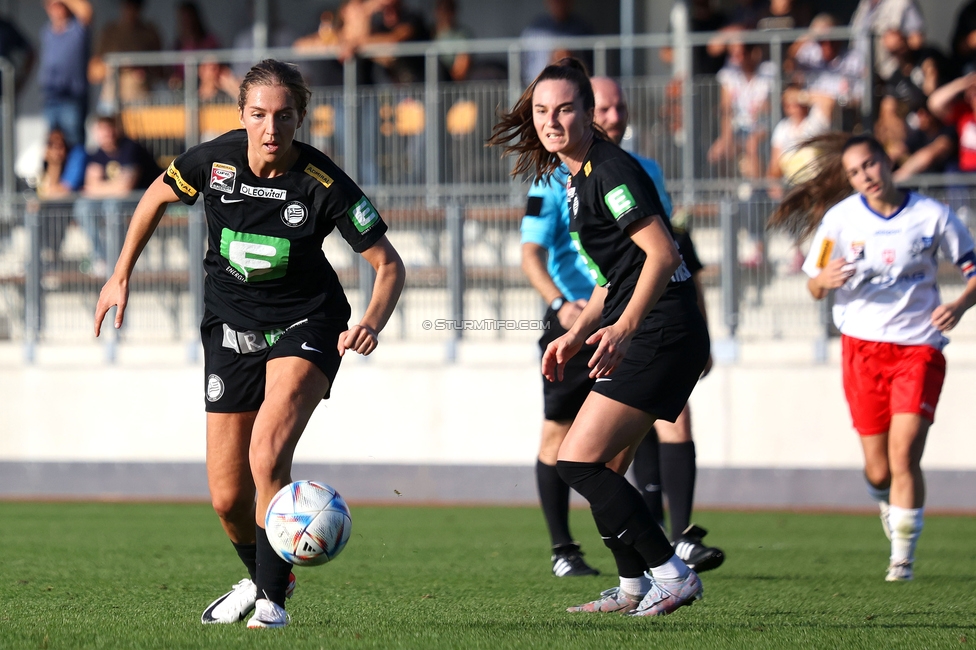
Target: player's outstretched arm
pixel 390 276
pixel 146 216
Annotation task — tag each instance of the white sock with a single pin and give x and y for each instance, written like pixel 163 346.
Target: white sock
pixel 878 494
pixel 906 527
pixel 673 570
pixel 635 586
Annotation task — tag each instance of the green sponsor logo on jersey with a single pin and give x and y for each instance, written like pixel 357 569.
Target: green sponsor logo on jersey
pixel 256 257
pixel 595 271
pixel 620 201
pixel 363 215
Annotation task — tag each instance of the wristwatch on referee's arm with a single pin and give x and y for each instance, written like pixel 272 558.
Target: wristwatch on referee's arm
pixel 557 304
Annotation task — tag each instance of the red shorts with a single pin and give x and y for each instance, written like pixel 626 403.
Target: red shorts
pixel 881 379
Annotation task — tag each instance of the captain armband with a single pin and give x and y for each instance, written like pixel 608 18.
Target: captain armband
pixel 967 264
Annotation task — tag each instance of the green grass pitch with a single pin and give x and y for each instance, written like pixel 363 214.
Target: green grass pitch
pixel 97 575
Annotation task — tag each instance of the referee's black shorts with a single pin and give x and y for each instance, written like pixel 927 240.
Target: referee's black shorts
pixel 235 361
pixel 661 368
pixel 562 399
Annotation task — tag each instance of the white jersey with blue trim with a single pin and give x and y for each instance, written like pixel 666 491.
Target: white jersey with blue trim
pixel 893 291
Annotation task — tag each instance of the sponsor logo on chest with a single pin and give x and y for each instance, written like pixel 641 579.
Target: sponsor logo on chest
pixel 222 177
pixel 264 192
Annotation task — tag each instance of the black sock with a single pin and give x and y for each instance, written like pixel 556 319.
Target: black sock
pixel 554 496
pixel 678 469
pixel 647 473
pixel 249 556
pixel 619 508
pixel 630 564
pixel 272 572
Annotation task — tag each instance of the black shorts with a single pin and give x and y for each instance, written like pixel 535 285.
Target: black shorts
pixel 660 370
pixel 562 399
pixel 235 361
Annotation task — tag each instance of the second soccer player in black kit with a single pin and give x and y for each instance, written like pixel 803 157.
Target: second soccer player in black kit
pixel 652 341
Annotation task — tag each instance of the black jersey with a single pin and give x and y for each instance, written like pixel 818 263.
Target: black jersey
pixel 265 266
pixel 610 192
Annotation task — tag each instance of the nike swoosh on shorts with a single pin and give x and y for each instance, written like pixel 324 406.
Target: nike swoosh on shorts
pixel 305 346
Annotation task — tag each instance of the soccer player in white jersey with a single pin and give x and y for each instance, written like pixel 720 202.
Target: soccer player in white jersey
pixel 877 251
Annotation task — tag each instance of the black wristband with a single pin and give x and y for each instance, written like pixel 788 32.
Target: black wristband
pixel 557 303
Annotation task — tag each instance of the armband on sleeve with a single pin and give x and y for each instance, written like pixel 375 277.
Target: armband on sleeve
pixel 967 264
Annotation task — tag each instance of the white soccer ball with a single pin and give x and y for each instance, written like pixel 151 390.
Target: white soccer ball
pixel 308 523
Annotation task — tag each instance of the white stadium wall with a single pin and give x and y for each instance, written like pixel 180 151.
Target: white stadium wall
pixel 771 430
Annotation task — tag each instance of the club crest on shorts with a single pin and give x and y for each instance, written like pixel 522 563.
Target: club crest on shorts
pixel 222 177
pixel 294 214
pixel 215 388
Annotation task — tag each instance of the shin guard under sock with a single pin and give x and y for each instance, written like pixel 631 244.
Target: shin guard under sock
pixel 272 571
pixel 647 473
pixel 619 508
pixel 678 469
pixel 554 497
pixel 249 556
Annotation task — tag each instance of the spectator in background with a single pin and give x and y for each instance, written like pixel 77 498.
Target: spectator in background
pixel 117 168
pixel 322 72
pixel 62 175
pixel 879 18
pixel 929 146
pixel 217 82
pixel 918 74
pixel 964 38
pixel 456 67
pixel 278 36
pixel 954 104
pixel 558 21
pixel 18 50
pixel 803 120
pixel 788 158
pixel 784 14
pixel 191 35
pixel 128 34
pixel 64 58
pixel 746 81
pixel 394 23
pixel 830 71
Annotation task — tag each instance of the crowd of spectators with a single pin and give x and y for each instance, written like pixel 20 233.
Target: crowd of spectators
pixel 923 98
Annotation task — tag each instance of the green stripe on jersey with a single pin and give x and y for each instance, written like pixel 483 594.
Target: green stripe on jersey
pixel 595 271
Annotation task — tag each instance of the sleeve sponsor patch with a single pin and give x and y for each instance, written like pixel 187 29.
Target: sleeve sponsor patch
pixel 319 175
pixel 183 186
pixel 826 249
pixel 363 215
pixel 620 201
pixel 533 207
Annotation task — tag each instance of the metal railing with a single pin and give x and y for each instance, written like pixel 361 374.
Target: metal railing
pixel 454 212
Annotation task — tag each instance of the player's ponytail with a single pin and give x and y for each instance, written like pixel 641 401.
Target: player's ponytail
pixel 824 184
pixel 515 130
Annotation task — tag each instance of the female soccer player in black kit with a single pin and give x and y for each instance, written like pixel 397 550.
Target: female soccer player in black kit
pixel 276 320
pixel 652 342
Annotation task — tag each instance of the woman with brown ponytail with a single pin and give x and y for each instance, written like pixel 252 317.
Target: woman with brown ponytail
pixel 652 342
